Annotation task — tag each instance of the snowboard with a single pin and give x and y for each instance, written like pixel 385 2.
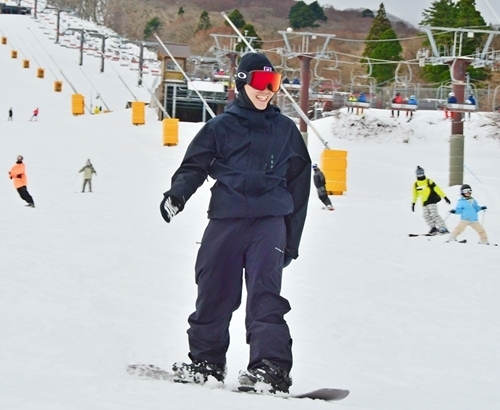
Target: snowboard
pixel 150 371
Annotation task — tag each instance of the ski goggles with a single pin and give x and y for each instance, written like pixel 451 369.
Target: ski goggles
pixel 261 80
pixel 467 191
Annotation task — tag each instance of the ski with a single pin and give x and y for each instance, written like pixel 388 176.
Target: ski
pixel 153 372
pixel 414 235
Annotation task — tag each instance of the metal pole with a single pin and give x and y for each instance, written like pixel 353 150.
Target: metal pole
pixel 81 46
pixel 174 101
pixel 141 62
pixel 103 50
pixel 305 80
pixel 458 68
pixel 57 29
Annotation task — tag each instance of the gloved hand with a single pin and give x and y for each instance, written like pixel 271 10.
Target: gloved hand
pixel 288 259
pixel 19 175
pixel 447 200
pixel 169 207
pixel 452 211
pixel 413 207
pixel 484 208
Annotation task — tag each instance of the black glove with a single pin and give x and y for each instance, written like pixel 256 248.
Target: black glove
pixel 484 208
pixel 453 211
pixel 169 207
pixel 288 259
pixel 19 175
pixel 447 200
pixel 413 207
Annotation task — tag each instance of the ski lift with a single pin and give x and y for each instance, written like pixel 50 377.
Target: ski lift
pixel 291 76
pixel 404 88
pixel 362 91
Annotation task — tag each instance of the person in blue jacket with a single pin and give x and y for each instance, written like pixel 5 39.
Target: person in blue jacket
pixel 257 211
pixel 468 208
pixel 471 101
pixel 361 99
pixel 451 100
pixel 411 101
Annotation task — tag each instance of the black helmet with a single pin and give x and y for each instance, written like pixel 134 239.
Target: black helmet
pixel 465 189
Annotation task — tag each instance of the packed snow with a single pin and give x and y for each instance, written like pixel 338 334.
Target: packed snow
pixel 93 282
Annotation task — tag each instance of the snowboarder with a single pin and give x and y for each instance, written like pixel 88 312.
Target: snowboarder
pixel 320 184
pixel 256 216
pixel 35 115
pixel 467 207
pixel 11 114
pixel 88 170
pixel 18 175
pixel 430 194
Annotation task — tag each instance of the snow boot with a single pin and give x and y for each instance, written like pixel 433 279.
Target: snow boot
pixel 198 371
pixel 268 375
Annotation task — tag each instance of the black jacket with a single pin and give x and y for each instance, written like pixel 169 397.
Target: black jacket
pixel 261 166
pixel 319 179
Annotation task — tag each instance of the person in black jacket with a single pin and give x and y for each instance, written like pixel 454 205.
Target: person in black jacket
pixel 256 216
pixel 320 184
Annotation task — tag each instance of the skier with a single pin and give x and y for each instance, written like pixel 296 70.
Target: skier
pixel 17 173
pixel 11 114
pixel 256 216
pixel 88 170
pixel 430 194
pixel 467 207
pixel 35 115
pixel 320 184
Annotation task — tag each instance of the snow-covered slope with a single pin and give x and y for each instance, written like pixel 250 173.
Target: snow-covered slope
pixel 93 282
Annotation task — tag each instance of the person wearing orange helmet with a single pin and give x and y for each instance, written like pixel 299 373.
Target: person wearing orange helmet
pixel 18 174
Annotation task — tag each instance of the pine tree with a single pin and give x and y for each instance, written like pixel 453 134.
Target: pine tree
pixel 236 18
pixel 386 50
pixel 318 11
pixel 379 26
pixel 301 16
pixel 446 13
pixel 204 21
pixel 249 31
pixel 382 50
pixel 152 26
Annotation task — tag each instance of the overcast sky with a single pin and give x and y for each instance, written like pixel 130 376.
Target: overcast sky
pixel 411 10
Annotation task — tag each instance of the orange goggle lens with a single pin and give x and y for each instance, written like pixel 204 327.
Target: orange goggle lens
pixel 260 80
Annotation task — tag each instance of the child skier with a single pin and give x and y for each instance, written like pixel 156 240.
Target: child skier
pixel 430 194
pixel 467 207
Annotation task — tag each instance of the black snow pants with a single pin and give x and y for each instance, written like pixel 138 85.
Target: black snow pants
pixel 229 247
pixel 25 195
pixel 323 196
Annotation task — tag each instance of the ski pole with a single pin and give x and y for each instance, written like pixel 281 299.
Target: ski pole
pixel 482 219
